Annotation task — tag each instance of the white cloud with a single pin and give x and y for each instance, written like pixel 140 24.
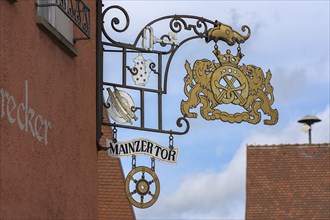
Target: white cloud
pixel 211 195
pixel 221 194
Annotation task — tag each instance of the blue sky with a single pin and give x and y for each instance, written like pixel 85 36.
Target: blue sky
pixel 291 38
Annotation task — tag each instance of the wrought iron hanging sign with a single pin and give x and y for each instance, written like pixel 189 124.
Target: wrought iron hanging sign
pixel 208 83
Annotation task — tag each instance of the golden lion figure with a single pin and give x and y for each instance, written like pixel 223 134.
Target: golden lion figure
pixel 212 84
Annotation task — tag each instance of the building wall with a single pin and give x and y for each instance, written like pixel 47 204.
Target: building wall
pixel 47 123
pixel 288 182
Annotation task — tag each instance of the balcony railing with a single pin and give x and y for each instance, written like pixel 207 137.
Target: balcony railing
pixel 76 10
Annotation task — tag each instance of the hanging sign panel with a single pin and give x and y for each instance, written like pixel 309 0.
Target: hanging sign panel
pixel 142 146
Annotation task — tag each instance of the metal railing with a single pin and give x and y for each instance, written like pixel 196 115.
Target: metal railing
pixel 76 10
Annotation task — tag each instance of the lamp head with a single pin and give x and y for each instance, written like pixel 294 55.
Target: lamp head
pixel 309 120
pixel 305 128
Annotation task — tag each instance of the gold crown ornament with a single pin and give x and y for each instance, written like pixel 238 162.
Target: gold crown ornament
pixel 228 58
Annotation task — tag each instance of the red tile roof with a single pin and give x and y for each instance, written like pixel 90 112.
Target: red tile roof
pixel 113 203
pixel 288 182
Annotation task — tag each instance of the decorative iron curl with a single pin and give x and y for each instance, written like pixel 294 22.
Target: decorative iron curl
pixel 176 24
pixel 179 124
pixel 133 70
pixel 162 42
pixel 199 24
pixel 134 109
pixel 106 105
pixel 152 66
pixel 115 21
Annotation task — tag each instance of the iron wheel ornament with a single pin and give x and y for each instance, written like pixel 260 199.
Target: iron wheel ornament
pixel 142 190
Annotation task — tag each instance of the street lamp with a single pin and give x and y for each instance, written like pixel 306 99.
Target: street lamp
pixel 307 122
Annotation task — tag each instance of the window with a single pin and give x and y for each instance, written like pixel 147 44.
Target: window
pixel 56 18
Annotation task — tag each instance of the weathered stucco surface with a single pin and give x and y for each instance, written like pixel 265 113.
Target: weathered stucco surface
pixel 57 179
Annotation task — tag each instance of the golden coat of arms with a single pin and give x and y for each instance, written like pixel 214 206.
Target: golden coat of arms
pixel 212 84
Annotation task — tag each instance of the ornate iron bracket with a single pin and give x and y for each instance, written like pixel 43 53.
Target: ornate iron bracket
pixel 207 84
pixel 77 11
pixel 196 27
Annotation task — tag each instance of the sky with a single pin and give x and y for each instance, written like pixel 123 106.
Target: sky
pixel 291 38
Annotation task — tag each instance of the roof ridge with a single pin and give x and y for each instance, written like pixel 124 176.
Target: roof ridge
pixel 288 145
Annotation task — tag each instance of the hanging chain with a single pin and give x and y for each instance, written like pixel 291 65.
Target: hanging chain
pixel 114 134
pixel 133 162
pixel 239 48
pixel 171 141
pixel 153 163
pixel 216 45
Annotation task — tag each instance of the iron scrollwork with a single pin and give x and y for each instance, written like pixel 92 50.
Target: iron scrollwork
pixel 177 23
pixel 167 46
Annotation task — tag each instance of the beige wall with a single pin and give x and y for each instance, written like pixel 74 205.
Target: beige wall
pixel 48 158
